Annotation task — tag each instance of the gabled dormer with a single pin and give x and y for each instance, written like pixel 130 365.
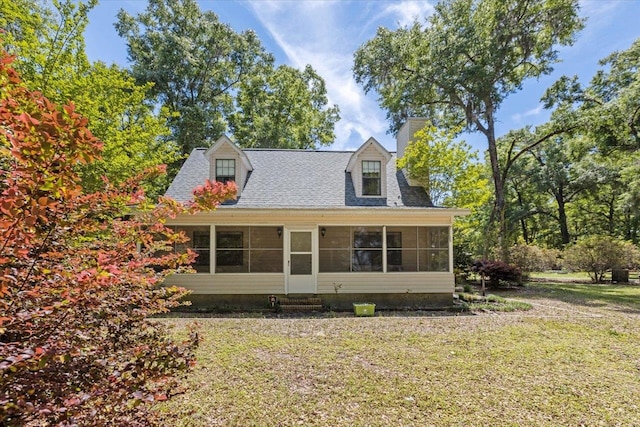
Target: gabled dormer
pixel 228 163
pixel 368 168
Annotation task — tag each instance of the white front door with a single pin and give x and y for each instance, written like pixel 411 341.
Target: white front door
pixel 300 272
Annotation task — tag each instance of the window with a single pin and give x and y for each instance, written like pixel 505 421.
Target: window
pixel 367 249
pixel 248 250
pixel 371 178
pixel 225 170
pixel 402 249
pixel 200 243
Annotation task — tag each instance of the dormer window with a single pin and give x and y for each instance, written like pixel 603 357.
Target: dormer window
pixel 371 178
pixel 225 170
pixel 368 169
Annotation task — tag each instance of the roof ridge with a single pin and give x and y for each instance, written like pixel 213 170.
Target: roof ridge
pixel 290 150
pixel 297 150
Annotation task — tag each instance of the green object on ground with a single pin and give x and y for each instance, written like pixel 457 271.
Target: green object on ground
pixel 364 308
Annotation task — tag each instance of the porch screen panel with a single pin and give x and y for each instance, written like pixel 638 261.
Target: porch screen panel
pixel 200 242
pixel 335 249
pixel 433 248
pixel 367 249
pixel 266 253
pixel 402 249
pixel 232 249
pixel 409 249
pixel 248 250
pixel 301 264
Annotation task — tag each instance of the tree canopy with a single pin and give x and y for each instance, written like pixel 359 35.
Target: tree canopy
pixel 49 46
pixel 458 68
pixel 214 78
pixel 285 108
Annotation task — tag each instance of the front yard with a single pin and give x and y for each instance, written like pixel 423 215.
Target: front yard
pixel 574 359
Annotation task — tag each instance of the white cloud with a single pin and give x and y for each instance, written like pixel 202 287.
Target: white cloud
pixel 408 11
pixel 323 34
pixel 599 15
pixel 519 117
pixel 597 8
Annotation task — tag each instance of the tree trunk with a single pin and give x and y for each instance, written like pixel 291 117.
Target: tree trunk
pixel 611 217
pixel 523 220
pixel 562 218
pixel 498 183
pixel 564 228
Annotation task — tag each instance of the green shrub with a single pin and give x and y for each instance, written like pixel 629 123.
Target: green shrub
pixel 530 258
pixel 598 254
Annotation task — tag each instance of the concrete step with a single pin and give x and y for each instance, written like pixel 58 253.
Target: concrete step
pixel 301 307
pixel 300 301
pixel 301 304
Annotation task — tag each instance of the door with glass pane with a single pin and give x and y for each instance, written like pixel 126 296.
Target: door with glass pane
pixel 301 277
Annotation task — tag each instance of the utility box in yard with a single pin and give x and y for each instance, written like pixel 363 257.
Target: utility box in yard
pixel 619 275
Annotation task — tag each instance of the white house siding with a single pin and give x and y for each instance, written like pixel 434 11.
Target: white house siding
pixel 225 283
pixel 314 217
pixel 389 283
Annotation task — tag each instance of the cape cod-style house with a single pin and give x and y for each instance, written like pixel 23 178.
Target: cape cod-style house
pixel 340 226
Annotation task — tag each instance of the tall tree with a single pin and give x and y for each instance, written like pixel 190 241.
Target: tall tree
pixel 610 116
pixel 48 42
pixel 194 62
pixel 135 134
pixel 527 207
pixel 600 208
pixel 459 68
pixel 285 108
pixel 551 174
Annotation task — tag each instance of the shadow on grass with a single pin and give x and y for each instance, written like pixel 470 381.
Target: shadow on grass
pixel 624 298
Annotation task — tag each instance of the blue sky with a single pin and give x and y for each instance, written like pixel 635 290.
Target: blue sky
pixel 326 33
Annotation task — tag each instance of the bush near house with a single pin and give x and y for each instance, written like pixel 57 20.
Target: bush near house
pixel 598 254
pixel 529 258
pixel 498 273
pixel 76 347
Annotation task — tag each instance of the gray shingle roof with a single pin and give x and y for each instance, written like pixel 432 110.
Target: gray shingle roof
pixel 299 179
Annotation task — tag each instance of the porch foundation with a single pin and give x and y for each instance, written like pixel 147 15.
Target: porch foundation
pixel 336 302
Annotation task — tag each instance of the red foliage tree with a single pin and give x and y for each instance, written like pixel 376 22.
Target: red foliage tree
pixel 80 276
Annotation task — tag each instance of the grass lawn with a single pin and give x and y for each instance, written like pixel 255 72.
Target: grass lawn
pixel 573 359
pixel 577 276
pixel 562 276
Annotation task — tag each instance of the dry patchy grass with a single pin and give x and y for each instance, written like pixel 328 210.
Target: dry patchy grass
pixel 574 359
